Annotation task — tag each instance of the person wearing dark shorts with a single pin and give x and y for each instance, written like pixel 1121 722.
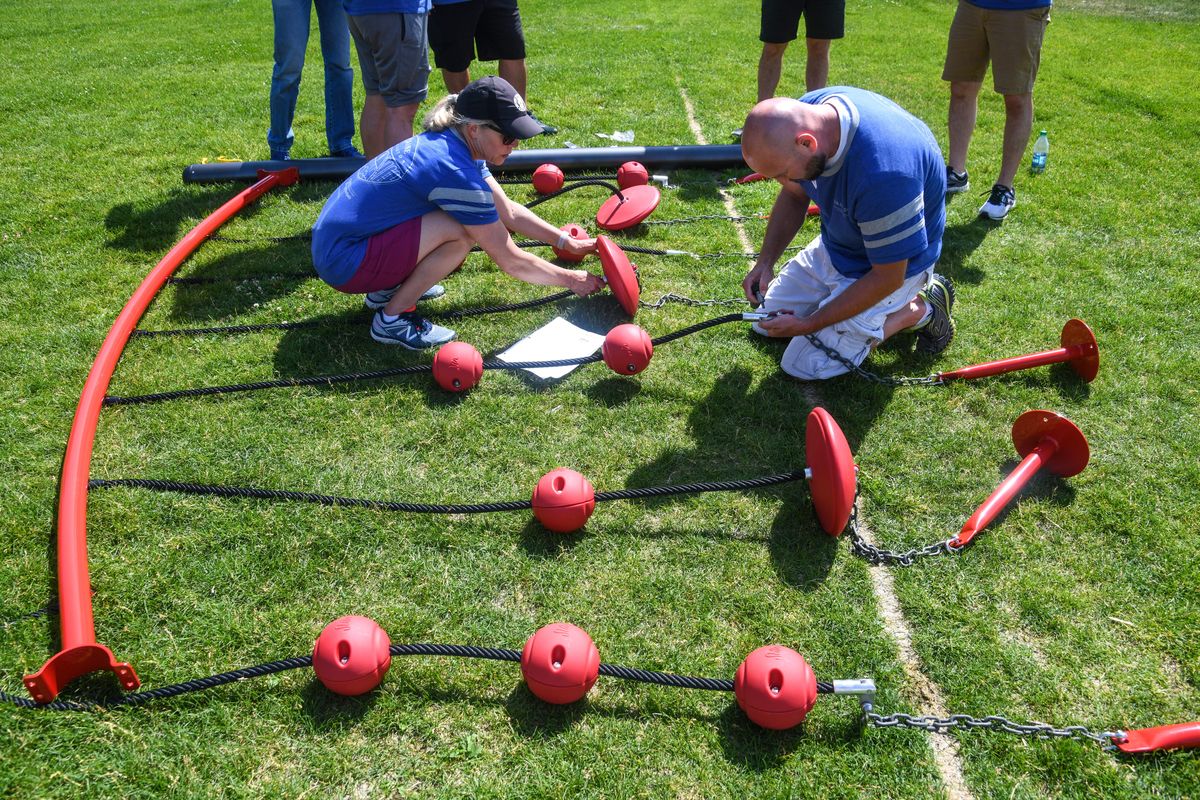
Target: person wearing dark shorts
pixel 824 20
pixel 392 40
pixel 408 218
pixel 461 31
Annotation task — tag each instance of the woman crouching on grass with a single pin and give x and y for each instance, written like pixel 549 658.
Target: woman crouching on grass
pixel 408 218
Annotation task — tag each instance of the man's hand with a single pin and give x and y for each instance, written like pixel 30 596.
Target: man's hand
pixel 756 282
pixel 585 283
pixel 786 324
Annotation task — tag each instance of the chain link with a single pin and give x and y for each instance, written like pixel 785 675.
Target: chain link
pixel 671 297
pixel 883 380
pixel 1035 730
pixel 877 555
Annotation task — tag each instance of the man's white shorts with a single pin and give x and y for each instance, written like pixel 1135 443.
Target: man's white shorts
pixel 808 282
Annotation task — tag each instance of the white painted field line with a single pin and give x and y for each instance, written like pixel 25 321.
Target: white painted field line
pixel 928 695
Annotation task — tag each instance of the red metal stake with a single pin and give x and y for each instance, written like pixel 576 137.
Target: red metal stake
pixel 80 653
pixel 1044 440
pixel 1078 348
pixel 1164 737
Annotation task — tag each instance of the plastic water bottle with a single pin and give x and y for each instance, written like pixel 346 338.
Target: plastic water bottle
pixel 1041 153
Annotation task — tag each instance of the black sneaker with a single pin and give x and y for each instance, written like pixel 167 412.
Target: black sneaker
pixel 956 181
pixel 938 331
pixel 547 128
pixel 1000 201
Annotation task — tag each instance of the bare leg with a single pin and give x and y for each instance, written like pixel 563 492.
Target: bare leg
pixel 444 245
pixel 1018 123
pixel 399 124
pixel 371 125
pixel 905 318
pixel 770 63
pixel 513 71
pixel 456 81
pixel 964 101
pixel 816 69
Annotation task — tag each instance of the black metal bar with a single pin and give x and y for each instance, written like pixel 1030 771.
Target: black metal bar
pixel 691 156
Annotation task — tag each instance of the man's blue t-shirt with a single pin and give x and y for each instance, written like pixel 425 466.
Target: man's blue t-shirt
pixel 357 8
pixel 427 172
pixel 883 194
pixel 1010 5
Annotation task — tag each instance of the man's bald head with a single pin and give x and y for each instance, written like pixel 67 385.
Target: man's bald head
pixel 781 129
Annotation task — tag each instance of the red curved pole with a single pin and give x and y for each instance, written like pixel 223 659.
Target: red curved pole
pixel 80 653
pixel 1018 363
pixel 1006 491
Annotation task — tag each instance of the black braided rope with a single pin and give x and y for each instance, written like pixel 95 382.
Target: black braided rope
pixel 696 488
pixel 699 326
pixel 454 650
pixel 256 493
pixel 328 380
pixel 577 185
pixel 319 380
pixel 287 326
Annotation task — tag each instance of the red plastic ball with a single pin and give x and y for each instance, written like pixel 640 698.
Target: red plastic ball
pixel 457 367
pixel 560 663
pixel 627 349
pixel 351 655
pixel 631 173
pixel 575 231
pixel 547 178
pixel 776 687
pixel 563 500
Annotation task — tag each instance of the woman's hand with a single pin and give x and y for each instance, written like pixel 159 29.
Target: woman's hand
pixel 584 282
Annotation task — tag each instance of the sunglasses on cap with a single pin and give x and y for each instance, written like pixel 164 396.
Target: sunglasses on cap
pixel 508 140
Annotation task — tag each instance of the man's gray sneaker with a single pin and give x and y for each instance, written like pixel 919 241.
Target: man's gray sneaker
pixel 938 331
pixel 380 299
pixel 409 330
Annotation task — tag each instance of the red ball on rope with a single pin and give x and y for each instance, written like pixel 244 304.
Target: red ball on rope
pixel 575 231
pixel 547 179
pixel 627 349
pixel 560 663
pixel 457 367
pixel 352 655
pixel 776 687
pixel 563 500
pixel 632 173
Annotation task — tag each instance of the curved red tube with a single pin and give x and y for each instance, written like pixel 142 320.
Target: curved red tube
pixel 80 653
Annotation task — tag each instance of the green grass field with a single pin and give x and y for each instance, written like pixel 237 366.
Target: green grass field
pixel 1077 606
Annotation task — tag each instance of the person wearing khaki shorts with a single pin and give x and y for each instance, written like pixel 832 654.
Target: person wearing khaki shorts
pixel 1007 34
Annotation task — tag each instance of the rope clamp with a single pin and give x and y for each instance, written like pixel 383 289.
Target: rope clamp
pixel 864 688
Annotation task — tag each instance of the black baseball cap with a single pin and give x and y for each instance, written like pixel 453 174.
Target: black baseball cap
pixel 495 100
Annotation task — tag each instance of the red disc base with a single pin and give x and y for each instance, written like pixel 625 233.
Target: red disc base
pixel 833 478
pixel 639 203
pixel 620 274
pixel 1078 335
pixel 1032 427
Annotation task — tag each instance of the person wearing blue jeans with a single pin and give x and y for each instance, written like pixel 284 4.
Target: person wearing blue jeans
pixel 292 19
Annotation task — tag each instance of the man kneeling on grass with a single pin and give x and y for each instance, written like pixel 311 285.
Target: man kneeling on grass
pixel 408 218
pixel 878 176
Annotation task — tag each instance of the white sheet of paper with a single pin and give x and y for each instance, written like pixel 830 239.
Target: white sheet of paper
pixel 556 340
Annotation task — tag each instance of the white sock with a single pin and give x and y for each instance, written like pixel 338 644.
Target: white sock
pixel 925 319
pixel 388 319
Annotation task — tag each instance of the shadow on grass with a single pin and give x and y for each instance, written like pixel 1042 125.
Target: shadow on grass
pixel 329 710
pixel 158 228
pixel 958 242
pixel 235 283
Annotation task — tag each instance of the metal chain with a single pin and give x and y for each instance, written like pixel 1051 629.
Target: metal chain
pixel 1035 730
pixel 877 555
pixel 702 217
pixel 883 380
